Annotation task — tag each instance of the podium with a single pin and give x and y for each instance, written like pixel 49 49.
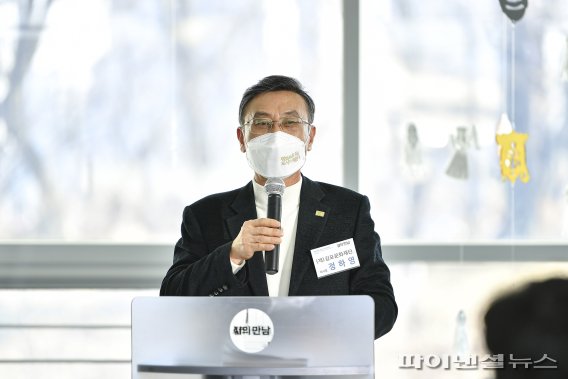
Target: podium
pixel 253 337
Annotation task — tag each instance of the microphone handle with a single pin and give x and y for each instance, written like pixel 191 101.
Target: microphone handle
pixel 274 211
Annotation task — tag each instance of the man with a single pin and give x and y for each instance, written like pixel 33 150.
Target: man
pixel 223 236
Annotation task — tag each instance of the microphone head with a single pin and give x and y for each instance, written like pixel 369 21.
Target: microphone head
pixel 275 186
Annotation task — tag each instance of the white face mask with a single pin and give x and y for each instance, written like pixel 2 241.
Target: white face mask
pixel 276 155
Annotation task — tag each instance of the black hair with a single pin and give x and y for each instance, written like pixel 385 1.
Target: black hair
pixel 529 323
pixel 276 83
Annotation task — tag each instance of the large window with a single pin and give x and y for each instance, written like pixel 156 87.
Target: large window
pixel 116 114
pixel 442 65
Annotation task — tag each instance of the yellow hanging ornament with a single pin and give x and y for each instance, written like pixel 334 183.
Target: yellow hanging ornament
pixel 512 156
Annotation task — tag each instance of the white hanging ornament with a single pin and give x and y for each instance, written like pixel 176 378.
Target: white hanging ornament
pixel 473 137
pixel 504 125
pixel 565 69
pixel 514 9
pixel 461 343
pixel 461 141
pixel 565 221
pixel 413 153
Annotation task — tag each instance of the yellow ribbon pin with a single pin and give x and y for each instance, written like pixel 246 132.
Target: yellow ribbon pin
pixel 320 213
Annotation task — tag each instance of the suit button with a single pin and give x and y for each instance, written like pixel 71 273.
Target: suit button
pixel 220 290
pixel 225 287
pixel 215 293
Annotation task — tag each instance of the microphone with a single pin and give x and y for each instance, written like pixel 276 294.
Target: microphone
pixel 275 189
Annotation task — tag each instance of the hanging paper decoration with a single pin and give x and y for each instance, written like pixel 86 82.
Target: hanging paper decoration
pixel 512 156
pixel 473 137
pixel 461 343
pixel 565 223
pixel 413 152
pixel 565 70
pixel 461 141
pixel 504 125
pixel 514 9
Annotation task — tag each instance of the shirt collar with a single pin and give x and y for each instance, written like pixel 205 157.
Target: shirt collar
pixel 291 197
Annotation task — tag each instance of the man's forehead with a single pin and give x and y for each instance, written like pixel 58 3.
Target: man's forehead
pixel 283 102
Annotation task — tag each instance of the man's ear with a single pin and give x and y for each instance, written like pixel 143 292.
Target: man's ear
pixel 312 136
pixel 241 138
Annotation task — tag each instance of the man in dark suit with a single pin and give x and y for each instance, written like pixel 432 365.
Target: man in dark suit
pixel 223 236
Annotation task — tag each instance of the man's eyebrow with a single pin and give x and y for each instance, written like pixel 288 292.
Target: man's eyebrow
pixel 266 114
pixel 261 114
pixel 292 113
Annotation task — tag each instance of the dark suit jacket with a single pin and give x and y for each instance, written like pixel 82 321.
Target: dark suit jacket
pixel 201 258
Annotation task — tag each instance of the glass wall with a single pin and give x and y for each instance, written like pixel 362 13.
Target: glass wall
pixel 66 333
pixel 441 314
pixel 114 115
pixel 431 68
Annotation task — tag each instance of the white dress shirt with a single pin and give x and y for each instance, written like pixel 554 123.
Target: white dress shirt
pixel 279 283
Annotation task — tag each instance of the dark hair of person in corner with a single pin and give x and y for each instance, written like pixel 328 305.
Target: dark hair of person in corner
pixel 529 323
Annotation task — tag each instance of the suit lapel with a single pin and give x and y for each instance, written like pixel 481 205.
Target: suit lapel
pixel 309 230
pixel 245 209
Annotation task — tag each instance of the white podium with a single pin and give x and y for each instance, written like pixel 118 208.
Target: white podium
pixel 253 337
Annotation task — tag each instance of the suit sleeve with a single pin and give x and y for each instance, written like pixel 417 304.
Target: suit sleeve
pixel 201 270
pixel 373 276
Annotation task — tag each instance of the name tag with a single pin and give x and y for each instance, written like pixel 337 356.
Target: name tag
pixel 334 258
